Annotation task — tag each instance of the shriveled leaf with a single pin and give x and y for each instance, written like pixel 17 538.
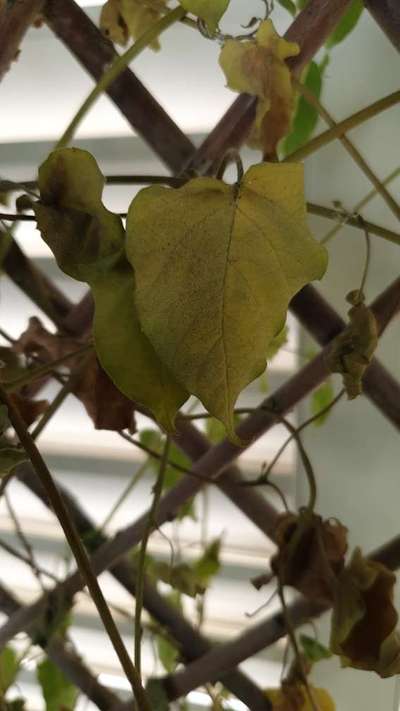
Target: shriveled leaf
pixel 310 555
pixel 58 692
pixel 314 650
pixel 295 698
pixel 346 24
pixel 107 406
pixel 121 19
pixel 9 668
pixel 216 266
pixel 86 239
pixel 47 346
pixel 210 11
pixel 28 408
pixel 168 653
pixel 353 349
pixel 320 399
pixel 88 243
pixel 306 116
pixel 112 24
pixel 364 619
pixel 153 440
pixel 258 67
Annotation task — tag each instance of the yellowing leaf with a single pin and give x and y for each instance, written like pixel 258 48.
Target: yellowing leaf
pixel 85 238
pixel 88 243
pixel 258 67
pixel 126 354
pixel 364 619
pixel 112 24
pixel 216 266
pixel 210 11
pixel 121 19
pixel 352 350
pixel 296 699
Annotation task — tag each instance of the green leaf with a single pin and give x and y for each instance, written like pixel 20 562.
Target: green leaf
pixel 157 695
pixel 209 564
pixel 153 440
pixel 314 650
pixel 167 653
pixel 58 692
pixel 9 667
pixel 216 266
pixel 320 399
pixel 88 243
pixel 346 24
pixel 210 11
pixel 289 6
pixel 306 117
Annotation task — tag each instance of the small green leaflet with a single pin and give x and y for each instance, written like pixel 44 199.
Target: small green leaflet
pixel 157 695
pixel 9 667
pixel 346 24
pixel 168 653
pixel 215 267
pixel 320 399
pixel 88 243
pixel 289 6
pixel 58 692
pixel 210 11
pixel 153 440
pixel 206 567
pixel 306 116
pixel 314 650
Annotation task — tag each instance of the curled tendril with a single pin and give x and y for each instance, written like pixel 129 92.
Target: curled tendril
pixel 222 37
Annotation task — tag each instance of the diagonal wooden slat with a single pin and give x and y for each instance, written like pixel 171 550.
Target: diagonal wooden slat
pixel 387 15
pixel 95 53
pixel 15 20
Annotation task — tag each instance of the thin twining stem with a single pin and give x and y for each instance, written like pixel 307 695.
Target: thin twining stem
pixel 77 548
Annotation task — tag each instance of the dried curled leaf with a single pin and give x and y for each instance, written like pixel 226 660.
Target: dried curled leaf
pixel 295 698
pixel 352 350
pixel 121 19
pixel 364 619
pixel 88 242
pixel 258 67
pixel 216 266
pixel 310 554
pixel 107 406
pixel 210 11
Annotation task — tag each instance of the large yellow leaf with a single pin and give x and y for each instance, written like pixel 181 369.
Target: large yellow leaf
pixel 216 266
pixel 88 242
pixel 210 11
pixel 364 618
pixel 258 67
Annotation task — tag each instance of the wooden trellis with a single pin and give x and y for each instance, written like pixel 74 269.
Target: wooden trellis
pixel 204 663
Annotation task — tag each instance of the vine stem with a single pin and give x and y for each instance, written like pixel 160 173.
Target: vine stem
pixel 332 214
pixel 117 67
pixel 339 129
pixel 77 548
pixel 140 580
pixel 345 220
pixel 352 150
